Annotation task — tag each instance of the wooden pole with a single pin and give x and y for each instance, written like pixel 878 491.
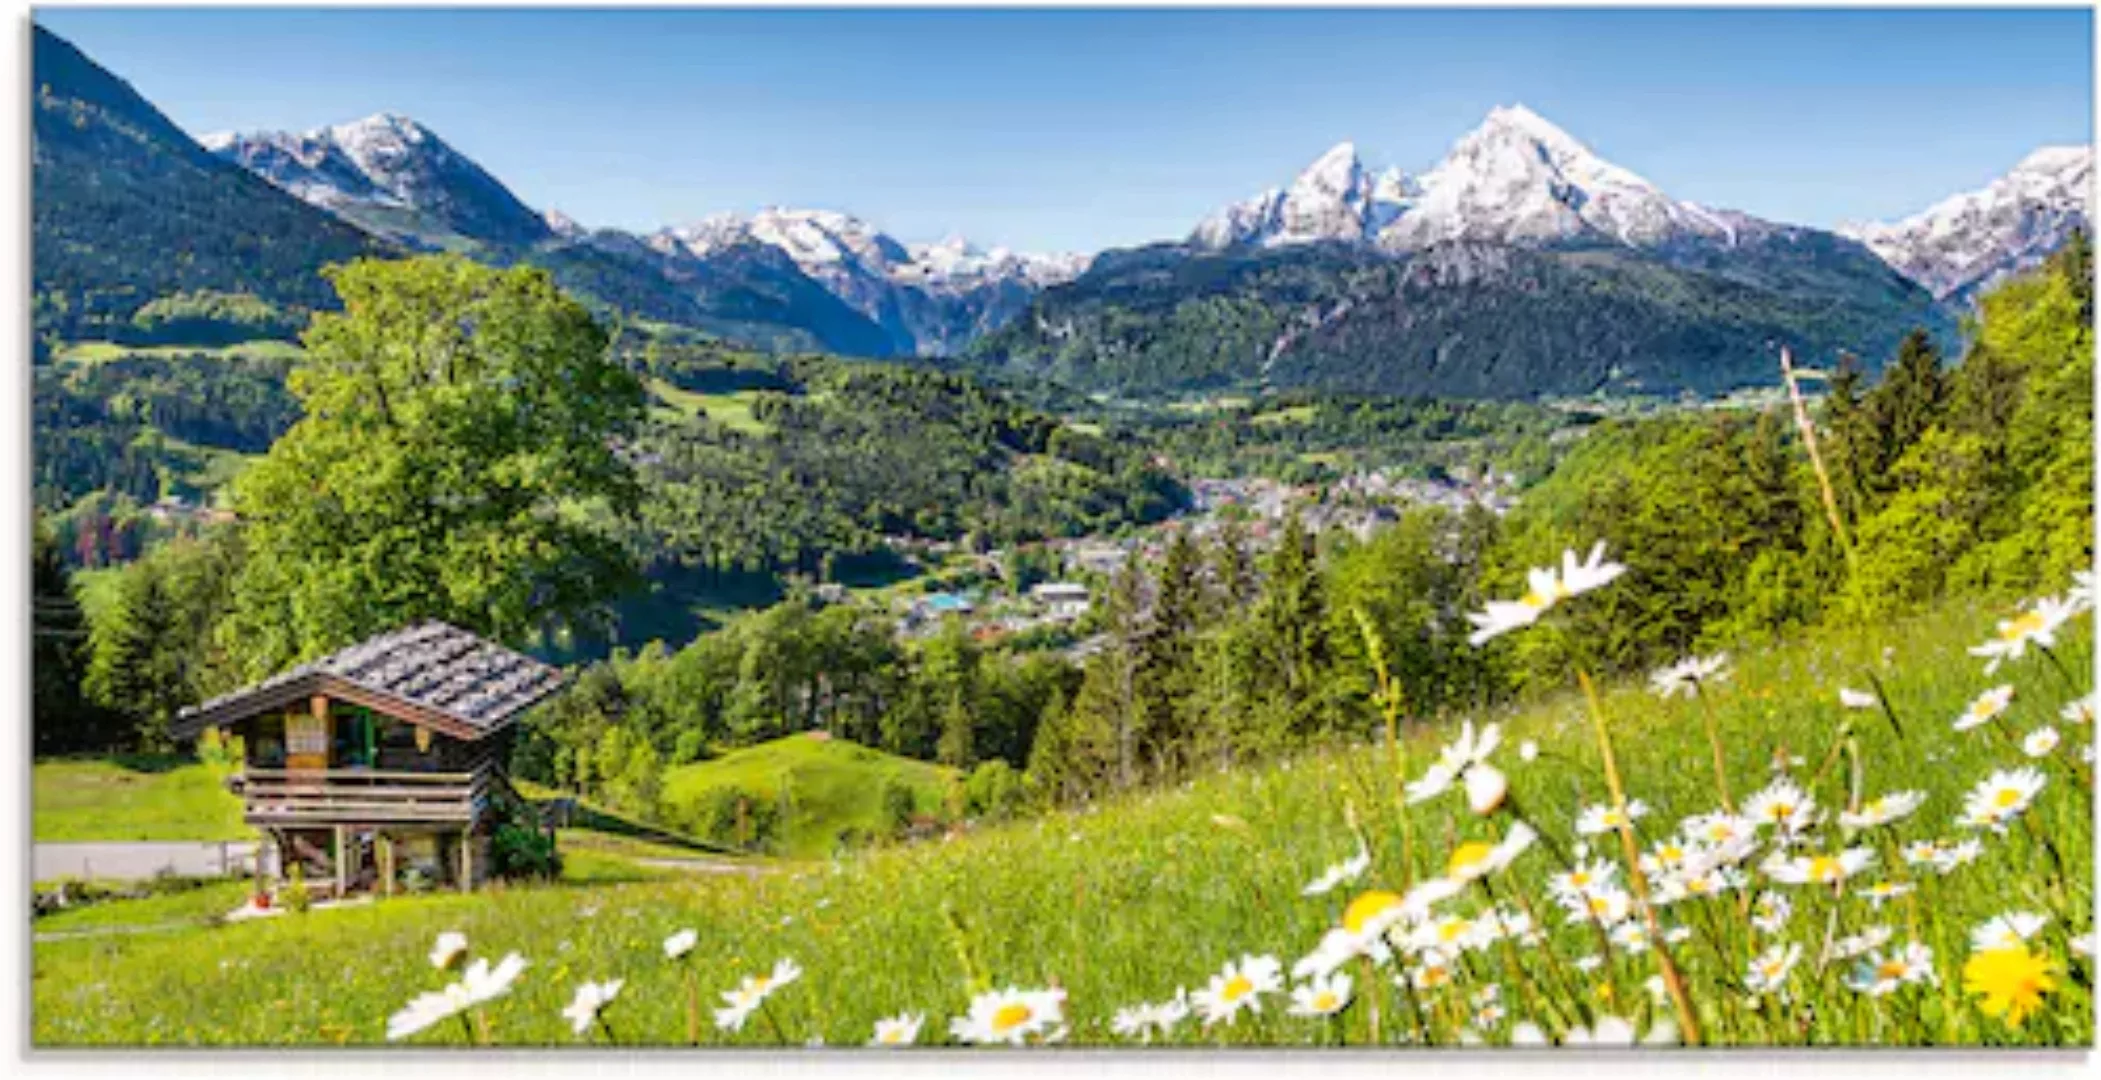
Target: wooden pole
pixel 342 861
pixel 386 863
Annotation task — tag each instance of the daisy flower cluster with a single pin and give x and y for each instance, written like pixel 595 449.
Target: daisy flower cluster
pixel 1610 923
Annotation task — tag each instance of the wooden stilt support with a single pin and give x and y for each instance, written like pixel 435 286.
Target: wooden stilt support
pixel 385 844
pixel 466 862
pixel 342 861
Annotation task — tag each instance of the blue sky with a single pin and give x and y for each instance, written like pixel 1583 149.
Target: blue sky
pixel 1076 130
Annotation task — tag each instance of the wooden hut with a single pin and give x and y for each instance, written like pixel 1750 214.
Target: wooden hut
pixel 383 760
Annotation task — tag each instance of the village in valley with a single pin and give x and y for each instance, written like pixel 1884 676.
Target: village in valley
pixel 998 602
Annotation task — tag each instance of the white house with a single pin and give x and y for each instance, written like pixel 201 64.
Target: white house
pixel 1061 599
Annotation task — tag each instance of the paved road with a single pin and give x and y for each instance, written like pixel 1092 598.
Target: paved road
pixel 705 866
pixel 134 861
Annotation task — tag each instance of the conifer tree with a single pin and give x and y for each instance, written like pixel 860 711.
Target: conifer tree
pixel 63 718
pixel 132 668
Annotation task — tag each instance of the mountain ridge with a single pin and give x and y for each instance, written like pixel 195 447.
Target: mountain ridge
pixel 127 210
pixel 1964 243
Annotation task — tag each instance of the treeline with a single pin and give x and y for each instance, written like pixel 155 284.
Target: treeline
pixel 1306 436
pixel 797 666
pixel 144 424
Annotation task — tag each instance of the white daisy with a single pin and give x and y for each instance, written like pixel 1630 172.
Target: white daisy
pixel 2037 625
pixel 1782 804
pixel 1855 699
pixel 899 1030
pixel 1349 869
pixel 478 984
pixel 2040 742
pixel 1689 675
pixel 1546 588
pixel 2001 797
pixel 1770 912
pixel 1239 987
pixel 1608 906
pixel 1478 860
pixel 1602 819
pixel 1718 829
pixel 1583 877
pixel 1868 940
pixel 1321 997
pixel 2080 597
pixel 450 950
pixel 1882 810
pixel 1769 969
pixel 1144 1021
pixel 752 992
pixel 1880 974
pixel 591 999
pixel 1987 707
pixel 1010 1016
pixel 681 943
pixel 2006 931
pixel 1818 869
pixel 1882 892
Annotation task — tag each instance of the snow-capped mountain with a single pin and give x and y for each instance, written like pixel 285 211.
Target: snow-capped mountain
pixel 390 175
pixel 839 247
pixel 932 298
pixel 397 179
pixel 1961 245
pixel 1516 179
pixel 563 226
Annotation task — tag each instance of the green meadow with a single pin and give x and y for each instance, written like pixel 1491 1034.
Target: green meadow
pixel 139 798
pixel 1131 899
pixel 828 785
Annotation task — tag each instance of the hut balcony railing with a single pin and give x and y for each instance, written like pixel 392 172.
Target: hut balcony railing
pixel 361 795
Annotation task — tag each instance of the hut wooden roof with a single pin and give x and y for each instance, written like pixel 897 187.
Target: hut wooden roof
pixel 432 674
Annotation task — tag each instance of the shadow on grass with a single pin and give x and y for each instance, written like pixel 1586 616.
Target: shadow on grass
pixel 582 815
pixel 150 763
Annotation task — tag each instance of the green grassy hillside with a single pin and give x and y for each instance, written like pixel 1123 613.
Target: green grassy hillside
pixel 133 799
pixel 1131 899
pixel 831 786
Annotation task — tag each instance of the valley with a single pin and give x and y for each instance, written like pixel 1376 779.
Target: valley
pixel 1526 606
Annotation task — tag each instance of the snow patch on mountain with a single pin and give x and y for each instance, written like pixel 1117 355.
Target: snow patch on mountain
pixel 386 162
pixel 836 247
pixel 1959 246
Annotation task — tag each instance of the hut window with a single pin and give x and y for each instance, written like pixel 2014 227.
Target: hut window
pixel 357 737
pixel 401 744
pixel 266 748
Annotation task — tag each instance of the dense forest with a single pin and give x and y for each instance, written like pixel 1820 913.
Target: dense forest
pixel 1305 436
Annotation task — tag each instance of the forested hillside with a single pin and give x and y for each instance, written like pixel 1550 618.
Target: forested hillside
pixel 873 451
pixel 1456 320
pixel 128 210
